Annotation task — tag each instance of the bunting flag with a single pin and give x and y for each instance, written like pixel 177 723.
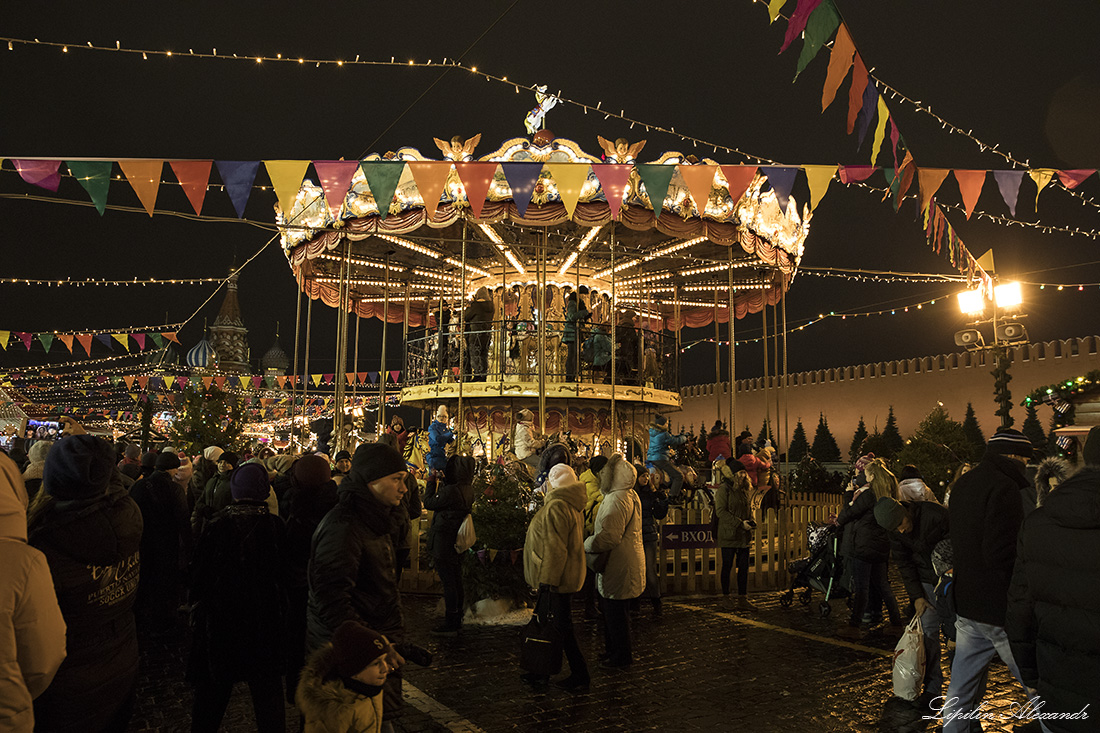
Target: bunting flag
pixel 206 382
pixel 85 340
pixel 362 377
pixel 820 27
pixel 316 379
pixel 382 177
pixel 738 179
pixel 238 176
pixel 781 178
pixel 328 378
pixel 144 178
pixel 42 173
pixel 219 381
pixel 929 181
pixel 880 127
pixel 774 6
pixel 158 340
pixel 171 336
pixel 569 179
pixel 797 22
pixel 522 178
pixel 840 60
pixel 986 261
pixel 863 119
pixel 856 173
pixel 194 177
pixel 280 381
pixel 66 339
pixel 656 177
pixel 1009 184
pixel 614 179
pixel 46 340
pixel 1071 179
pixel 140 338
pixel 476 179
pixel 123 339
pixel 1042 177
pixel 350 377
pixel 143 381
pixel 95 177
pixel 699 180
pixel 168 379
pixel 431 179
pixel 286 178
pixel 104 339
pixel 335 177
pixel 4 336
pixel 395 375
pixel 970 186
pixel 905 174
pixel 856 91
pixel 819 177
pixel 25 338
pixel 182 382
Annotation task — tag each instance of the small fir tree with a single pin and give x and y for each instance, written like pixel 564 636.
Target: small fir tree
pixel 860 437
pixel 1033 429
pixel 824 447
pixel 891 437
pixel 799 447
pixel 765 434
pixel 207 417
pixel 875 443
pixel 973 433
pixel 937 448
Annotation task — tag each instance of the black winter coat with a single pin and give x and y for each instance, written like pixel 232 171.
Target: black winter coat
pixel 654 508
pixel 351 568
pixel 1053 620
pixel 985 524
pixel 912 551
pixel 239 596
pixel 166 542
pixel 450 503
pixel 92 547
pixel 305 508
pixel 478 316
pixel 868 542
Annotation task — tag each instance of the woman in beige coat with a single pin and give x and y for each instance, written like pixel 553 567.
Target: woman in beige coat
pixel 618 532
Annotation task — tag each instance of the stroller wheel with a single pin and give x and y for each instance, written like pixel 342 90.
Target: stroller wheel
pixel 786 598
pixel 806 596
pixel 825 609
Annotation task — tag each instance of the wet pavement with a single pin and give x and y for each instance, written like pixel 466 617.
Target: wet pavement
pixel 700 667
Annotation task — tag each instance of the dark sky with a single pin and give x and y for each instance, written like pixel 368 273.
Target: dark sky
pixel 1023 76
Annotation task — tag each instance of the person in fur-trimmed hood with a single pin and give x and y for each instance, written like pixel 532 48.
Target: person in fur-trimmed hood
pixel 618 531
pixel 341 685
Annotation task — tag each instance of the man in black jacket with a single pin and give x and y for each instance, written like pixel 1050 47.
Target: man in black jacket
pixel 352 574
pixel 915 528
pixel 985 518
pixel 1054 600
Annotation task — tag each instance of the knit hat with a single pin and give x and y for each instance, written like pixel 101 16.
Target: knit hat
pixel 343 455
pixel 78 467
pixel 354 647
pixel 149 460
pixel 744 434
pixel 526 415
pixel 167 462
pixel 909 471
pixel 862 461
pixel 373 461
pixel 132 451
pixel 39 450
pixel 660 421
pixel 889 513
pixel 561 475
pixel 1091 451
pixel 229 457
pixel 311 471
pixel 212 453
pixel 249 482
pixel 596 464
pixel 1011 442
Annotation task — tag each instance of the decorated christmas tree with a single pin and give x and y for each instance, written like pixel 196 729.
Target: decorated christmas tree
pixel 207 417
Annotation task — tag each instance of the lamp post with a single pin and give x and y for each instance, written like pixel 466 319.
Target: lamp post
pixel 1006 301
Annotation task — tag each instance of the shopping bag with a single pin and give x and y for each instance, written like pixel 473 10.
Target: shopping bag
pixel 466 536
pixel 541 650
pixel 909 661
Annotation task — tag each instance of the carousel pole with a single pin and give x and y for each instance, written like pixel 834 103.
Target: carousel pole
pixel 786 385
pixel 679 330
pixel 439 344
pixel 462 330
pixel 718 362
pixel 355 357
pixel 341 350
pixel 732 317
pixel 614 343
pixel 305 367
pixel 767 393
pixel 540 288
pixel 297 335
pixel 382 370
pixel 775 369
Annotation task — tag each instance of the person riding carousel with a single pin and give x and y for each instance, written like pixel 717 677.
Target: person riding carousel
pixel 660 440
pixel 439 435
pixel 529 442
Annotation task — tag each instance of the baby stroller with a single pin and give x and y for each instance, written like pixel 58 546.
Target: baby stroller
pixel 822 570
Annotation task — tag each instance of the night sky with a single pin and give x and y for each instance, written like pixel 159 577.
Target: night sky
pixel 1021 76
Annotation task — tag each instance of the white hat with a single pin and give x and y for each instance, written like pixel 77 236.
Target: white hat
pixel 213 453
pixel 441 414
pixel 561 475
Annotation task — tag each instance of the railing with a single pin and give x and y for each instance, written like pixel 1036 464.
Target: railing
pixel 508 350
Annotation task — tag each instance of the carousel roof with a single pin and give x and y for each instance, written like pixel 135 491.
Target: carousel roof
pixel 415 251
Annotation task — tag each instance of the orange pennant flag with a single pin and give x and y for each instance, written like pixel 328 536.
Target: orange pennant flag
pixel 476 179
pixel 431 179
pixel 129 380
pixel 350 376
pixel 143 381
pixel 144 177
pixel 1042 177
pixel 193 175
pixel 839 63
pixel 699 180
pixel 930 180
pixel 66 339
pixel 280 381
pixel 220 381
pixel 286 178
pixel 171 336
pixel 569 178
pixel 207 381
pixel 738 179
pixel 122 338
pixel 855 91
pixel 818 177
pixel 85 340
pixel 970 186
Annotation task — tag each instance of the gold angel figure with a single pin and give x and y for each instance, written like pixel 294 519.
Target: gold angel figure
pixel 456 149
pixel 621 151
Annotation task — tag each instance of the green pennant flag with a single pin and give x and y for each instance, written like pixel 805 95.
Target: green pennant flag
pixel 47 340
pixel 655 178
pixel 382 177
pixel 157 339
pixel 95 177
pixel 820 27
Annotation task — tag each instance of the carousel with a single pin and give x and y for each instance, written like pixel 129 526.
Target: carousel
pixel 541 276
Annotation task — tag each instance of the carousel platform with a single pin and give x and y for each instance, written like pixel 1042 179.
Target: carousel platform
pixel 556 392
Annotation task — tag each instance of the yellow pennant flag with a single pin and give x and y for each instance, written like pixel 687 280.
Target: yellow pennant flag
pixel 144 177
pixel 316 379
pixel 569 178
pixel 986 261
pixel 4 335
pixel 286 178
pixel 880 128
pixel 245 382
pixel 699 180
pixel 493 555
pixel 819 177
pixel 774 6
pixel 1042 177
pixel 168 381
pixel 122 338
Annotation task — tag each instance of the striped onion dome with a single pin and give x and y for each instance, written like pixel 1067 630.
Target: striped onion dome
pixel 201 354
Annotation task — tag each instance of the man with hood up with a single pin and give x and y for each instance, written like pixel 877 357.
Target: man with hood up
pixel 479 325
pixel 32 631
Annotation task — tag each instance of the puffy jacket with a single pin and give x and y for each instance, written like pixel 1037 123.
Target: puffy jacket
pixel 618 529
pixel 479 314
pixel 1054 600
pixel 914 489
pixel 553 552
pixel 912 550
pixel 985 515
pixel 439 435
pixel 718 445
pixel 868 541
pixel 450 502
pixel 32 631
pixel 351 568
pixel 660 440
pixel 526 442
pixel 731 504
pixel 754 467
pixel 574 316
pixel 328 706
pixel 597 349
pixel 593 497
pixel 654 508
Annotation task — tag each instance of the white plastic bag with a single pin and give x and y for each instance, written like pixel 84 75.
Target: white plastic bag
pixel 466 535
pixel 909 661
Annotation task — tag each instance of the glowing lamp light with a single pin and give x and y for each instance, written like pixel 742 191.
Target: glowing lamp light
pixel 971 302
pixel 1008 295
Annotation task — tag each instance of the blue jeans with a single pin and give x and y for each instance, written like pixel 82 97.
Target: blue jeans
pixel 930 623
pixel 976 643
pixel 866 575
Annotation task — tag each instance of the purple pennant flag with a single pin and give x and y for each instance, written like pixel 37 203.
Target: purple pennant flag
pixel 238 175
pixel 105 339
pixel 521 179
pixel 372 376
pixel 1009 183
pixel 155 382
pixel 781 178
pixel 863 119
pixel 43 173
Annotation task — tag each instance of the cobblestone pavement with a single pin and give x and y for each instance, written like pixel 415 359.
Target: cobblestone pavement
pixel 698 668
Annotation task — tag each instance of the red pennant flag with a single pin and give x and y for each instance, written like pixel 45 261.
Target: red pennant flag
pixel 738 178
pixel 394 375
pixel 431 178
pixel 220 381
pixel 25 338
pixel 855 92
pixel 614 179
pixel 328 378
pixel 144 178
pixel 140 338
pixel 335 176
pixel 42 173
pixel 85 340
pixel 193 175
pixel 970 186
pixel 476 179
pixel 143 382
pixel 797 22
pixel 856 173
pixel 257 381
pixel 362 377
pixel 1072 178
pixel 182 382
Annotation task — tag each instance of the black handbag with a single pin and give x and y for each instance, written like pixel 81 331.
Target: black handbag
pixel 540 650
